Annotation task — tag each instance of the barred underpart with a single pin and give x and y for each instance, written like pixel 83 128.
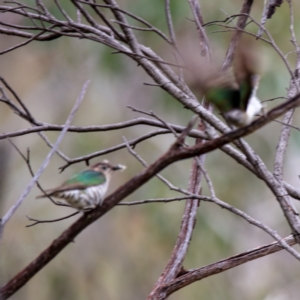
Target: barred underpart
pixel 83 199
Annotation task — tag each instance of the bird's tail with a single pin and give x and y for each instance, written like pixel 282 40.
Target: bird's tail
pixel 43 196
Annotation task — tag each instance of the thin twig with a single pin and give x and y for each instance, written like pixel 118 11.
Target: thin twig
pixel 204 44
pixel 228 207
pixel 220 266
pixel 138 121
pixel 12 210
pixel 152 114
pixel 175 153
pixel 27 160
pixel 241 24
pixel 207 178
pixel 155 200
pixel 114 148
pixel 36 221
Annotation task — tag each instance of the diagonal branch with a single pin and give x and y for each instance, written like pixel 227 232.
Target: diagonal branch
pixel 288 117
pixel 241 23
pixel 13 209
pixel 138 121
pixel 220 266
pixel 175 153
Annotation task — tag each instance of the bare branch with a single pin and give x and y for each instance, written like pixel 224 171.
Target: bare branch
pixel 12 210
pixel 156 291
pixel 277 189
pixel 27 160
pixel 36 221
pixel 175 153
pixel 211 133
pixel 156 200
pixel 221 266
pixel 26 114
pixel 294 86
pixel 59 153
pixel 138 121
pixel 216 201
pixel 204 44
pixel 207 178
pixel 241 23
pixel 152 114
pixel 114 148
pixel 32 38
pixel 272 7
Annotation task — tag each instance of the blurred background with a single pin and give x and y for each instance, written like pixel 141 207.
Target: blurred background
pixel 122 254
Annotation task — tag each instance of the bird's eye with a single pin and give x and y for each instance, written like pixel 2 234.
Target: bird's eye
pixel 104 168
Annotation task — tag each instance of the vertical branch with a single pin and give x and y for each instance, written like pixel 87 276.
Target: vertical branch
pixel 204 43
pixel 172 32
pixel 169 22
pixel 174 266
pixel 4 157
pixel 263 18
pixel 288 117
pixel 131 39
pixel 241 23
pixel 277 188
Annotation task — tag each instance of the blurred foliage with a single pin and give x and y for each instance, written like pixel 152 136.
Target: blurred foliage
pixel 122 255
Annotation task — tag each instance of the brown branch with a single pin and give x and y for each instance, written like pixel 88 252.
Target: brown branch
pixel 114 148
pixel 32 38
pixel 156 200
pixel 46 161
pixel 25 114
pixel 204 43
pixel 241 23
pixel 175 153
pixel 214 200
pixel 138 121
pixel 155 60
pixel 96 5
pixel 27 160
pixel 218 202
pixel 36 221
pixel 268 12
pixel 288 118
pixel 272 7
pixel 194 275
pixel 174 265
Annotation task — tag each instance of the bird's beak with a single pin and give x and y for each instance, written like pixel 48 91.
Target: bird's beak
pixel 118 167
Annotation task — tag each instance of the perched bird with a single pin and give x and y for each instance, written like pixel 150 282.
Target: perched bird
pixel 236 101
pixel 86 189
pixel 233 91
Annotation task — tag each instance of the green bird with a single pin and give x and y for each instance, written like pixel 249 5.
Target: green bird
pixel 86 189
pixel 236 101
pixel 233 91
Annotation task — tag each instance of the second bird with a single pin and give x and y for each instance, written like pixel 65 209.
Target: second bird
pixel 86 190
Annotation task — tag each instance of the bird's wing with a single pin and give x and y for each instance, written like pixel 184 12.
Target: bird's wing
pixel 86 178
pixel 224 99
pixel 79 181
pixel 62 188
pixel 222 90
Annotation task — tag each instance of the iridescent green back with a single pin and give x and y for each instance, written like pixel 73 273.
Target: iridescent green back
pixel 225 99
pixel 87 178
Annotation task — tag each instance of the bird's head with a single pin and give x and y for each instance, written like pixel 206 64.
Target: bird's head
pixel 106 168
